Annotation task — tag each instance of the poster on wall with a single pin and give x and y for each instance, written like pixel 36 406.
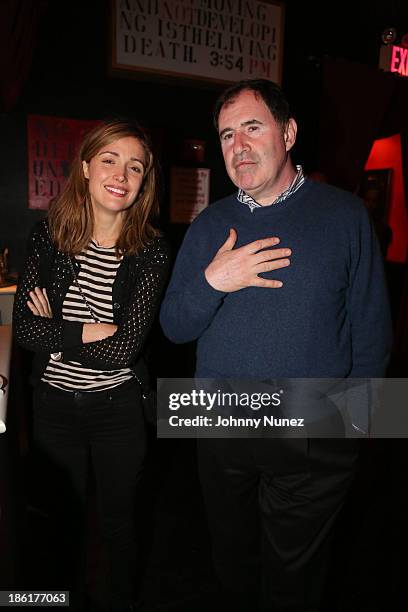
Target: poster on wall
pixel 189 193
pixel 52 143
pixel 215 40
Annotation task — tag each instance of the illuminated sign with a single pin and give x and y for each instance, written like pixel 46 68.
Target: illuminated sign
pixel 394 59
pixel 399 60
pixel 215 40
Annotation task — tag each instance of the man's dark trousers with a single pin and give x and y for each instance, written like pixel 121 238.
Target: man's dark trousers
pixel 272 504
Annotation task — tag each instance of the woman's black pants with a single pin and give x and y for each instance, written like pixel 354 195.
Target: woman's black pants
pixel 102 431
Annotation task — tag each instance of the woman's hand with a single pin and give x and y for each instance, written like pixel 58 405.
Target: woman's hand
pixel 92 332
pixel 39 304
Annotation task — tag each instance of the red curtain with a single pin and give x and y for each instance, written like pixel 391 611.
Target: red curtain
pixel 19 24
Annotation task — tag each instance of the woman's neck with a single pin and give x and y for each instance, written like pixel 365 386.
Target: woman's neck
pixel 106 229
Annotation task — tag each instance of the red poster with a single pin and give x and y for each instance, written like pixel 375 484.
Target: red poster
pixel 52 143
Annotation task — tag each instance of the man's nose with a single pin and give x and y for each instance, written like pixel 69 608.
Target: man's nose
pixel 240 143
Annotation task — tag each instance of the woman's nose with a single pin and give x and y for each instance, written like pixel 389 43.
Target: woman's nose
pixel 120 175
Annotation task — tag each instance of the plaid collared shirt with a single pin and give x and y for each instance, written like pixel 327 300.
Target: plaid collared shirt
pixel 297 182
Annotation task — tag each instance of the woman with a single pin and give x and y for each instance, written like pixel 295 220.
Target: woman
pixel 86 300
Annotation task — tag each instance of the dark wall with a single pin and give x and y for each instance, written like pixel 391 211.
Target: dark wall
pixel 15 218
pixel 69 77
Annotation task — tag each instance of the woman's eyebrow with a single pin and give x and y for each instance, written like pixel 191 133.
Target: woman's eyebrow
pixel 117 155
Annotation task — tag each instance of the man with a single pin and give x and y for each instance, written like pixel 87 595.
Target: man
pixel 314 306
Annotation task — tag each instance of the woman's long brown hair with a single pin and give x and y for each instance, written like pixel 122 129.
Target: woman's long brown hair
pixel 70 216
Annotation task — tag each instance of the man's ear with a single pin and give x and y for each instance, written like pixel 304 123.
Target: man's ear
pixel 85 168
pixel 290 133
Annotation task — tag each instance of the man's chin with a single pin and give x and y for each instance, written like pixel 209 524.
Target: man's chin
pixel 248 188
pixel 242 182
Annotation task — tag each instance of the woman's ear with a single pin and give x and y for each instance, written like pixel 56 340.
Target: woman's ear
pixel 85 168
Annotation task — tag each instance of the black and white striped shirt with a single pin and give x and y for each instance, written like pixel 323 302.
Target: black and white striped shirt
pixel 96 277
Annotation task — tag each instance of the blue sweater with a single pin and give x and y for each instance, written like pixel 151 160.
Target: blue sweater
pixel 331 317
